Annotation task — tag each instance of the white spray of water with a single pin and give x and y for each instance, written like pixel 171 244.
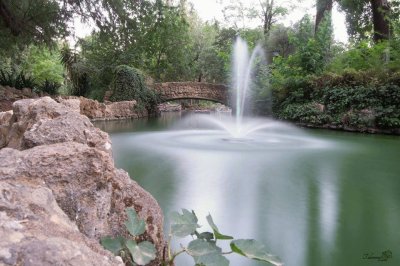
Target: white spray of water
pixel 243 66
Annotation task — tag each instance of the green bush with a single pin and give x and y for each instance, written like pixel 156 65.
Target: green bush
pixel 49 87
pixel 17 80
pixel 355 98
pixel 381 57
pixel 129 85
pixel 305 113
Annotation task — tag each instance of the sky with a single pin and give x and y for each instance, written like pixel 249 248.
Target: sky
pixel 210 9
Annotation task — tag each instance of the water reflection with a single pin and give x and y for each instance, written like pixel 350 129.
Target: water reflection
pixel 321 204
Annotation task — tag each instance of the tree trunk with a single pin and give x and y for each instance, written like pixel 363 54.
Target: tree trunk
pixel 380 11
pixel 323 7
pixel 268 14
pixel 9 20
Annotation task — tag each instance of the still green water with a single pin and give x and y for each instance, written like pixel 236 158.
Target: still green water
pixel 337 204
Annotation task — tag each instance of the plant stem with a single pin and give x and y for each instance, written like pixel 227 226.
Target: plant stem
pixel 169 245
pixel 175 255
pixel 227 253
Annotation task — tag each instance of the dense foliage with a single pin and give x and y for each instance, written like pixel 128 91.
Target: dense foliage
pixel 352 99
pixel 167 41
pixel 129 84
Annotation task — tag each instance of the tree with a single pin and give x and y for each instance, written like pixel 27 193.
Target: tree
pixel 368 16
pixel 267 11
pixel 278 42
pixel 380 15
pixel 31 21
pixel 270 13
pixel 324 7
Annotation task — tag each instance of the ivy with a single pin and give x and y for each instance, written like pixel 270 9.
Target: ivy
pixel 129 85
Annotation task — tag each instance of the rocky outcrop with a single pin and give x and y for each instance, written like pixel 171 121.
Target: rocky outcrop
pixel 44 121
pixel 57 172
pixel 8 95
pixel 35 231
pixel 5 118
pixel 95 110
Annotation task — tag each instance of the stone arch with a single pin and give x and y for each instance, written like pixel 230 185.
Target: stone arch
pixel 193 90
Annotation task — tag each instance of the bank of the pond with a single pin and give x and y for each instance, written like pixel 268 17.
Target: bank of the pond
pixel 356 102
pixel 93 109
pixel 60 190
pixel 350 129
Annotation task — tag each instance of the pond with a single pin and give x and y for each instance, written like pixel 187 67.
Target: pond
pixel 321 198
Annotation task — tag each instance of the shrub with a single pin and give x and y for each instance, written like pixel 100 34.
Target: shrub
pixel 305 113
pixel 49 87
pixel 129 85
pixel 355 98
pixel 17 80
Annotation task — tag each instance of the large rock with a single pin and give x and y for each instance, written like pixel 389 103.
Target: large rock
pixel 95 110
pixel 35 231
pixel 92 109
pixel 124 109
pixel 8 95
pixel 69 127
pixel 5 119
pixel 44 121
pixel 50 146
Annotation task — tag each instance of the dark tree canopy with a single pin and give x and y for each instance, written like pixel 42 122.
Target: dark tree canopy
pixel 31 21
pixel 324 7
pixel 366 17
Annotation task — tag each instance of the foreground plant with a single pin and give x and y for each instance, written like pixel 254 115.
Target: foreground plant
pixel 203 248
pixel 131 251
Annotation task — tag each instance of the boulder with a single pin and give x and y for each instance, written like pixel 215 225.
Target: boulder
pixel 35 231
pixel 44 121
pixel 71 103
pixel 86 186
pixel 53 148
pixel 92 108
pixel 5 121
pixel 70 127
pixel 124 109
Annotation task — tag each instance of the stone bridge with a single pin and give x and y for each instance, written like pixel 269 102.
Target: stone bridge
pixel 170 91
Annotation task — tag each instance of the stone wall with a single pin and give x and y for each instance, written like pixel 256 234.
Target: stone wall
pixel 91 108
pixel 192 90
pixel 60 191
pixel 103 111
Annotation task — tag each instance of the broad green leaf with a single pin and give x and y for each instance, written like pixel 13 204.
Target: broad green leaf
pixel 206 253
pixel 253 249
pixel 217 234
pixel 183 224
pixel 212 260
pixel 200 247
pixel 134 225
pixel 115 245
pixel 206 235
pixel 142 253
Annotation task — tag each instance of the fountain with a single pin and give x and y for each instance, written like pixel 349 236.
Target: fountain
pixel 242 71
pixel 302 193
pixel 240 132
